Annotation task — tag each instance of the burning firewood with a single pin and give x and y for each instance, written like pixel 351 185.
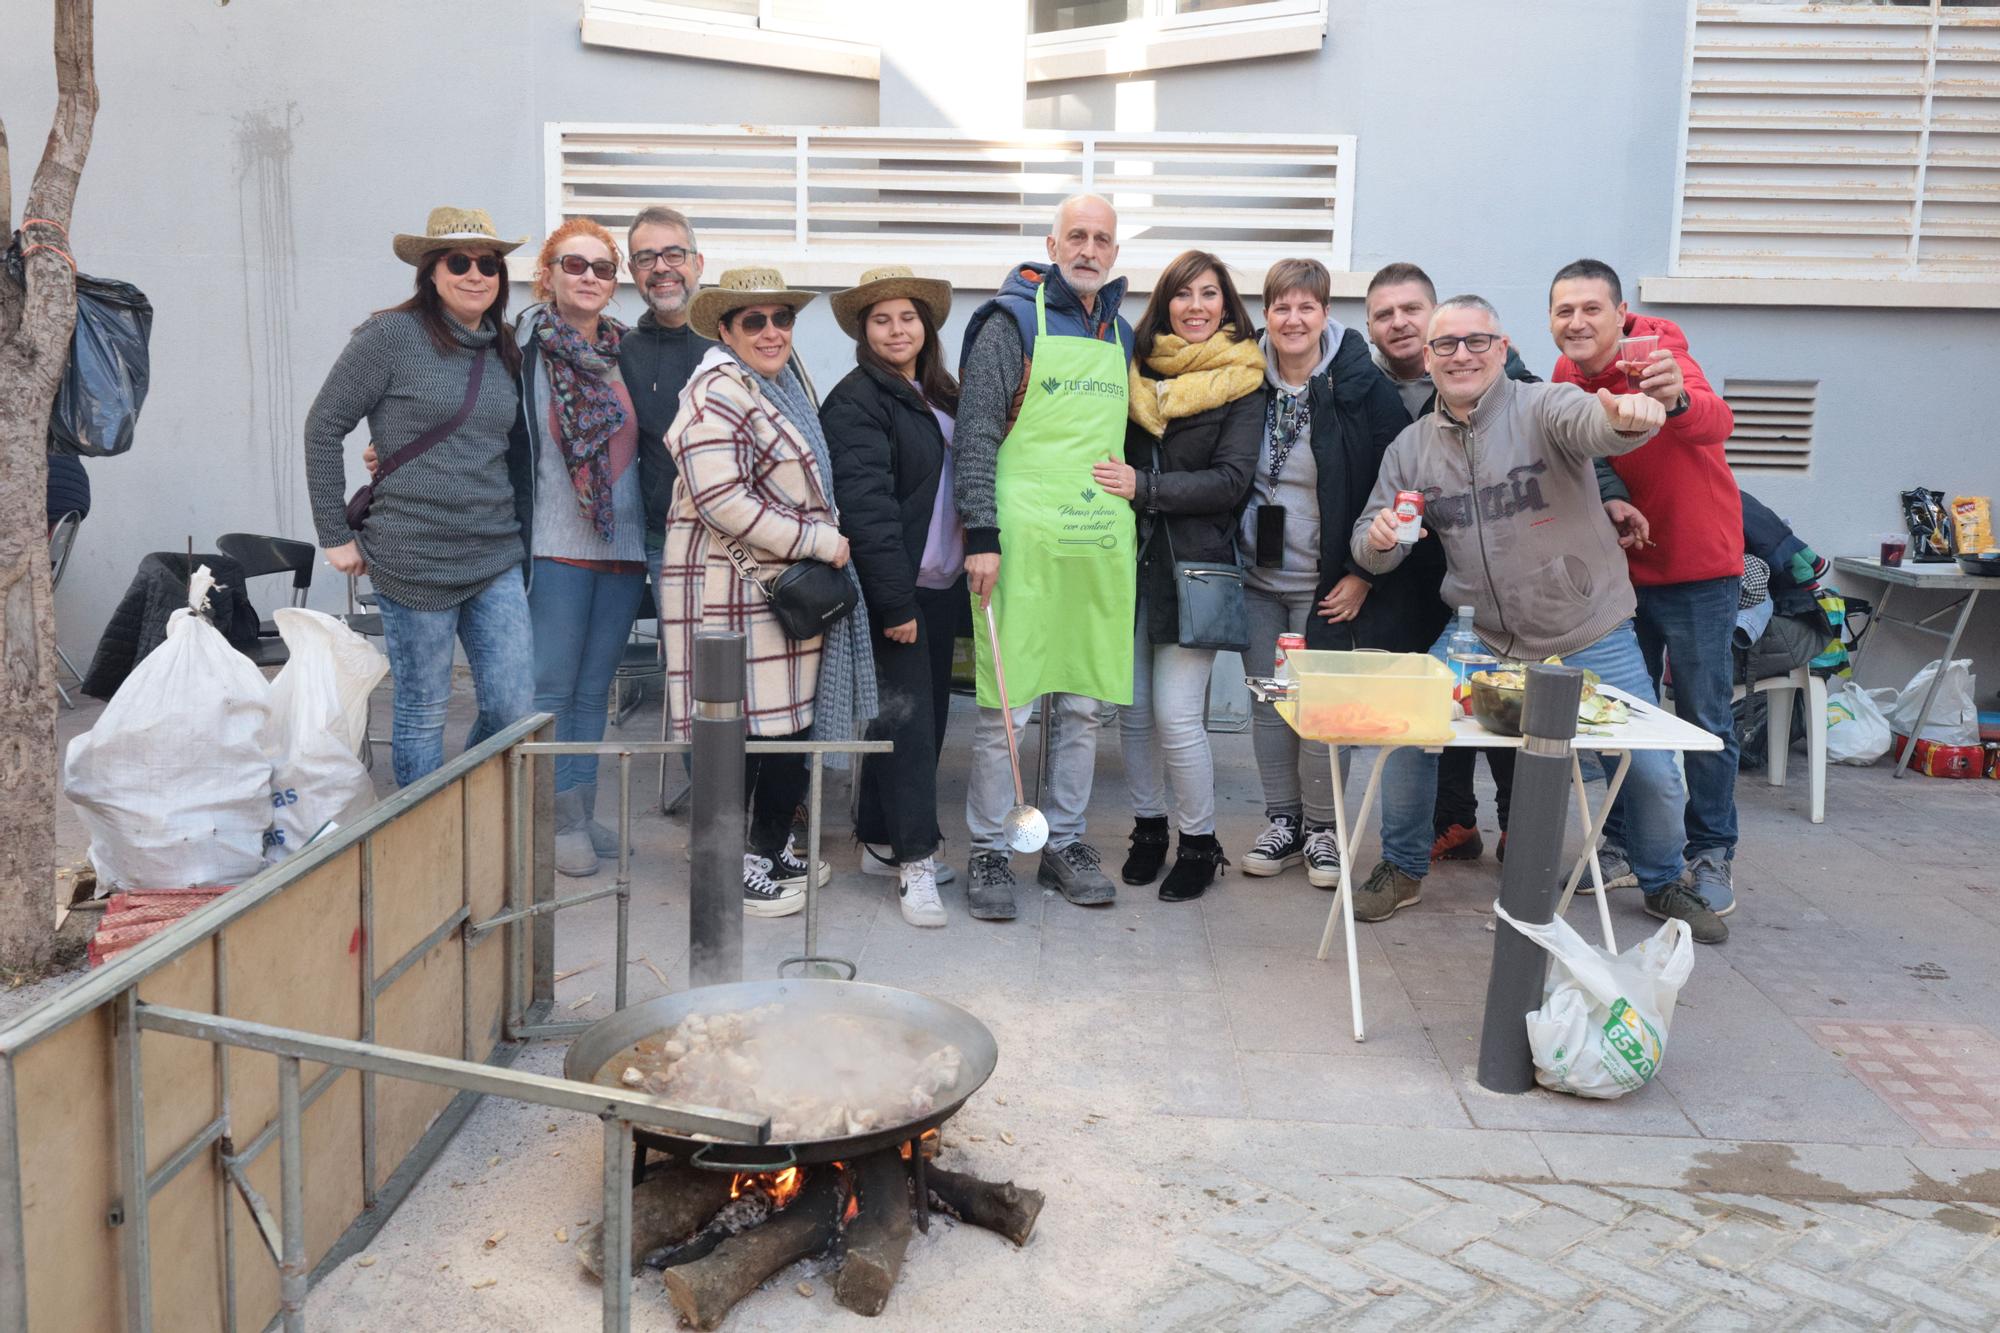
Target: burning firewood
pixel 873 1247
pixel 1004 1207
pixel 667 1206
pixel 704 1290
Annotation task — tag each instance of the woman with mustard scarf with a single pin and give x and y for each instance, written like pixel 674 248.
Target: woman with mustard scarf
pixel 1197 420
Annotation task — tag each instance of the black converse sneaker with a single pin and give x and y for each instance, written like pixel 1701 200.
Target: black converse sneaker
pixel 1322 859
pixel 1282 846
pixel 764 896
pixel 789 868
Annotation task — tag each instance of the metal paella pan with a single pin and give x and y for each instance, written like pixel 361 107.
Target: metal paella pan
pixel 922 1017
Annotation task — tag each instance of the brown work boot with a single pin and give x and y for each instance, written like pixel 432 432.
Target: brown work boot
pixel 1387 891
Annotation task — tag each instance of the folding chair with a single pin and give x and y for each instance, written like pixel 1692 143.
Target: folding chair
pixel 260 555
pixel 61 541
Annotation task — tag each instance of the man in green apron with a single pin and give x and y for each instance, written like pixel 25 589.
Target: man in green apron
pixel 1044 374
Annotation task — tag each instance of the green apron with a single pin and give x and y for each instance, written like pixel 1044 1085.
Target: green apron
pixel 1069 571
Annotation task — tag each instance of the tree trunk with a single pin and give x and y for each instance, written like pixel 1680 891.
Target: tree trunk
pixel 35 327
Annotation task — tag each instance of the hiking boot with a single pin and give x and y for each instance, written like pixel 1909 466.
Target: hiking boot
pixel 917 893
pixel 1149 850
pixel 788 867
pixel 879 858
pixel 1387 891
pixel 1617 872
pixel 603 840
pixel 1458 842
pixel 575 856
pixel 764 896
pixel 1708 876
pixel 1282 846
pixel 1322 859
pixel 1199 862
pixel 1073 868
pixel 989 893
pixel 1677 902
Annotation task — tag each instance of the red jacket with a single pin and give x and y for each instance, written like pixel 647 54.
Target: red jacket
pixel 1680 479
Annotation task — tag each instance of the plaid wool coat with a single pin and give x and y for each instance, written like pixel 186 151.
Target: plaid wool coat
pixel 745 471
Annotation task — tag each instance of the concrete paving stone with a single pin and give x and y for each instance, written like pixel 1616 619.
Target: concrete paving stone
pixel 1286 1000
pixel 1451 1227
pixel 1354 1224
pixel 1824 1322
pixel 1381 1149
pixel 1404 1309
pixel 1718 1318
pixel 1698 1276
pixel 1607 1314
pixel 1954 1167
pixel 1408 1195
pixel 1763 1208
pixel 1834 1247
pixel 1315 1265
pixel 1865 1217
pixel 1810 1286
pixel 1616 1273
pixel 1295 1307
pixel 1738 1243
pixel 1917 1291
pixel 1808 1169
pixel 1197 1305
pixel 1082 960
pixel 1281 912
pixel 1496 1198
pixel 1643 1237
pixel 1219 1260
pixel 1286 1085
pixel 1454 1031
pixel 1404 1264
pixel 1547 1232
pixel 1593 1204
pixel 1520 1271
pixel 1503 1312
pixel 1256 1219
pixel 1934 1250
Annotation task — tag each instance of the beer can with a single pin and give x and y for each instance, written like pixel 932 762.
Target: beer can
pixel 1287 645
pixel 1409 516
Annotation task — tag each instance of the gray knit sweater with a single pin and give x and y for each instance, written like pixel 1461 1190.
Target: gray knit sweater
pixel 443 526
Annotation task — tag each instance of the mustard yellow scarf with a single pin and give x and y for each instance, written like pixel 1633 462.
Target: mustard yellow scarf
pixel 1193 377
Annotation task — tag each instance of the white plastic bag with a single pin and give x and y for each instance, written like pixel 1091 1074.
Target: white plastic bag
pixel 1857 731
pixel 1954 717
pixel 319 716
pixel 1602 1028
pixel 174 781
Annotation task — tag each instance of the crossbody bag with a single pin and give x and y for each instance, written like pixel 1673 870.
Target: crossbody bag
pixel 358 503
pixel 807 596
pixel 1208 595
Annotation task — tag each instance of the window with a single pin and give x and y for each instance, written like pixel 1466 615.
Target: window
pixel 811 35
pixel 1849 152
pixel 1072 39
pixel 1774 424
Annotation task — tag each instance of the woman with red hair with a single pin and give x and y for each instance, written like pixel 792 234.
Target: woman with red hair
pixel 586 517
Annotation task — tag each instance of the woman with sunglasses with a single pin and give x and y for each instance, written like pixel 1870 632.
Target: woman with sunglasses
pixel 434 378
pixel 588 513
pixel 755 494
pixel 888 427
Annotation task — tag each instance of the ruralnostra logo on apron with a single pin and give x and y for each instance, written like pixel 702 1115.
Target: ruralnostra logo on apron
pixel 1069 569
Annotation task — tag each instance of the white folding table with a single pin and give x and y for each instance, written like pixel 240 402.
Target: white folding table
pixel 1650 728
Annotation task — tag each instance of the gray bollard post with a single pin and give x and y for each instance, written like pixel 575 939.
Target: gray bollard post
pixel 1529 880
pixel 716 825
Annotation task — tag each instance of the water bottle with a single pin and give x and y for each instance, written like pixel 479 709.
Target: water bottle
pixel 1463 650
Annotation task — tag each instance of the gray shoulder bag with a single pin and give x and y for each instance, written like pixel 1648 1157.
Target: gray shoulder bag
pixel 1208 595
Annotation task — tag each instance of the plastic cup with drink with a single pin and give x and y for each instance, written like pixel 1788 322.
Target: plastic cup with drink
pixel 1894 546
pixel 1636 355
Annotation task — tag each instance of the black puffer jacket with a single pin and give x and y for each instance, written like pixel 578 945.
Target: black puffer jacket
pixel 887 452
pixel 1356 413
pixel 1204 468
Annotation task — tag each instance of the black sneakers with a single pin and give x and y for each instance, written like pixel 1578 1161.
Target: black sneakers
pixel 1282 846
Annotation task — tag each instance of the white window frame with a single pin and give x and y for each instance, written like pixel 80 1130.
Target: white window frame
pixel 1911 288
pixel 665 28
pixel 1162 39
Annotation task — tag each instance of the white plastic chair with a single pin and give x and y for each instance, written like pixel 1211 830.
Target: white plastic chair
pixel 1781 690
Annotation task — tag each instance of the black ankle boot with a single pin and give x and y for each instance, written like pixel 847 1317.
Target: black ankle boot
pixel 1149 850
pixel 1199 862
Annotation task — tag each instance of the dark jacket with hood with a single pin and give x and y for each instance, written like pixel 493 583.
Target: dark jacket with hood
pixel 655 362
pixel 887 453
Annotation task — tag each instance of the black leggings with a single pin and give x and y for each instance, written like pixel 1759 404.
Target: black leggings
pixel 773 786
pixel 1456 801
pixel 898 798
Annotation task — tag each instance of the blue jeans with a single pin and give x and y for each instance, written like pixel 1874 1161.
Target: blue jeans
pixel 1688 627
pixel 493 626
pixel 1652 796
pixel 582 619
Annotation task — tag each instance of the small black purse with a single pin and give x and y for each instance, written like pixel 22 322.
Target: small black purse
pixel 807 596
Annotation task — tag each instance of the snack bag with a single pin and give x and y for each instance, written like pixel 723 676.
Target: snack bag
pixel 1929 522
pixel 1972 523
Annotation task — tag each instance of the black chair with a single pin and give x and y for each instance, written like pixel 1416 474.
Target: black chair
pixel 644 659
pixel 62 539
pixel 259 556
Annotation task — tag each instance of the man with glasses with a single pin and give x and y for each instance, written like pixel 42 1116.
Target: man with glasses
pixel 659 353
pixel 1509 486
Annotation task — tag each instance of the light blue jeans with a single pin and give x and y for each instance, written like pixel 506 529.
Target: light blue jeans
pixel 582 619
pixel 1653 797
pixel 493 626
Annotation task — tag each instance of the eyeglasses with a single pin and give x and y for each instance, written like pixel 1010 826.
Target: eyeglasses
pixel 577 265
pixel 460 265
pixel 1474 342
pixel 754 321
pixel 673 257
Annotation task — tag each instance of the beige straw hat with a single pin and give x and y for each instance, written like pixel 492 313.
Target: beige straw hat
pixel 886 283
pixel 453 229
pixel 738 288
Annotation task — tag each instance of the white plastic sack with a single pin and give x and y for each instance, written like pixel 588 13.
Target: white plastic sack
pixel 319 717
pixel 1857 731
pixel 1602 1028
pixel 1954 717
pixel 174 782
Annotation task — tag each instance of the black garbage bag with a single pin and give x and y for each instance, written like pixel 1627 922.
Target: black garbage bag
pixel 104 385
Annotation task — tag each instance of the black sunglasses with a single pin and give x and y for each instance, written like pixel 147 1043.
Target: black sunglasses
pixel 574 265
pixel 754 321
pixel 460 265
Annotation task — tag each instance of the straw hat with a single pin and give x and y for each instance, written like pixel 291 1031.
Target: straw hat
pixel 738 288
pixel 453 229
pixel 886 283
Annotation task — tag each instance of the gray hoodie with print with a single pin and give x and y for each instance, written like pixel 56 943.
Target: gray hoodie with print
pixel 1513 497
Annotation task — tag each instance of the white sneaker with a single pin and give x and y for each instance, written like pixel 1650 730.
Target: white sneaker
pixel 918 893
pixel 1322 859
pixel 764 896
pixel 878 858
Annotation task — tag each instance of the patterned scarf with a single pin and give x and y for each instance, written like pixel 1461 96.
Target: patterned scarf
pixel 845 699
pixel 588 412
pixel 1193 377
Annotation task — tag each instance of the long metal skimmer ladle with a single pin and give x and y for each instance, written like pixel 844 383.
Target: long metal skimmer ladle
pixel 1025 828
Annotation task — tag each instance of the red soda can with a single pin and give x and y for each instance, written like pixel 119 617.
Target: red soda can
pixel 1288 644
pixel 1409 516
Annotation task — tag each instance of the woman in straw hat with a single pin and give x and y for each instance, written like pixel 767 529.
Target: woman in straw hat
pixel 755 494
pixel 888 427
pixel 434 378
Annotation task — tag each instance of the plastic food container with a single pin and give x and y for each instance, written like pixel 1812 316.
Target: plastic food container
pixel 1371 698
